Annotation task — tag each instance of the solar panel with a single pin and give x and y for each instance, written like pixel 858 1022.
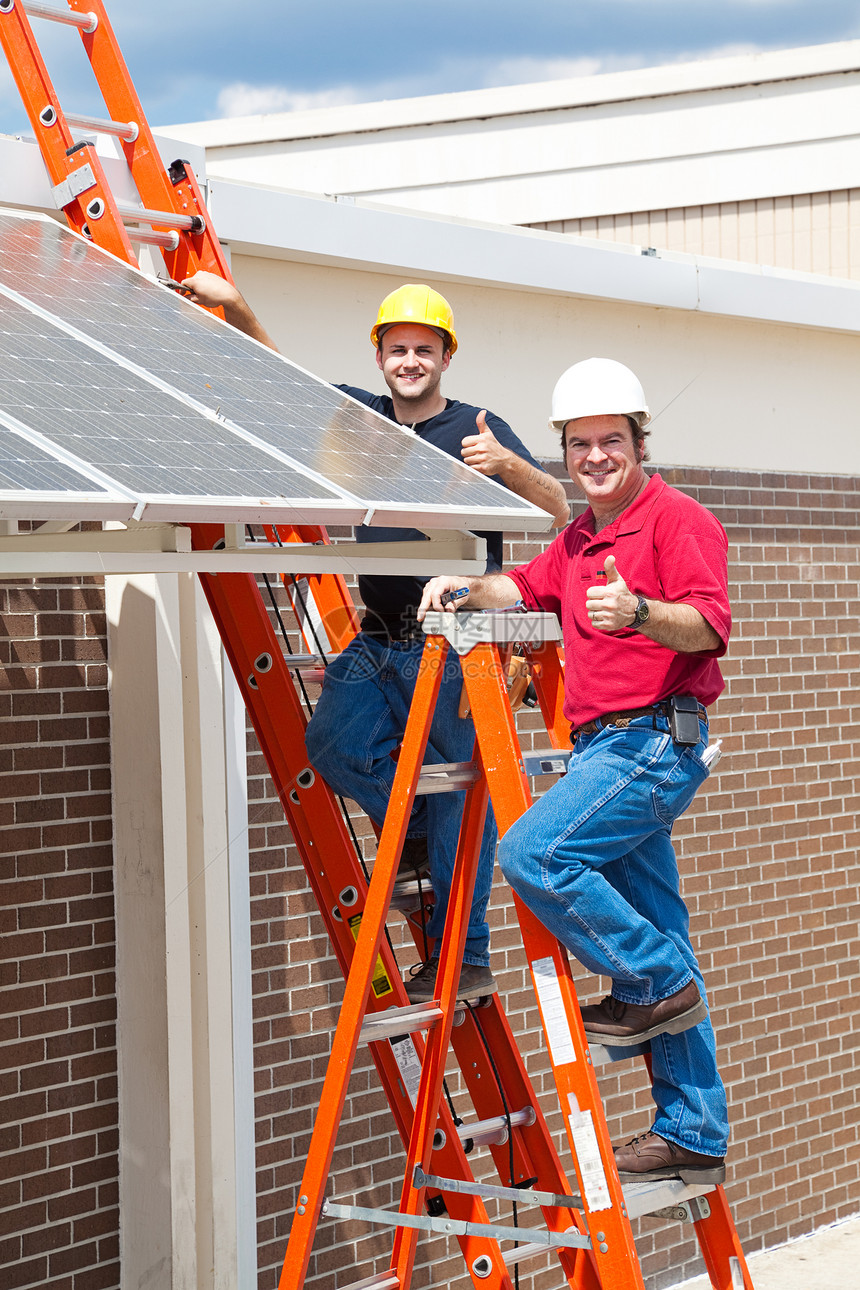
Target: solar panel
pixel 130 438
pixel 324 434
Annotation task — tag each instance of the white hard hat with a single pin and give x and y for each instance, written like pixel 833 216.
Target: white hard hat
pixel 598 387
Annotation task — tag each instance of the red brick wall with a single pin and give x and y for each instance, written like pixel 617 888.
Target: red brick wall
pixel 768 860
pixel 769 870
pixel 58 1189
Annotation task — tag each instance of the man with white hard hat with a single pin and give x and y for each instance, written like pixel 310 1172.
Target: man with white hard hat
pixel 639 583
pixel 361 714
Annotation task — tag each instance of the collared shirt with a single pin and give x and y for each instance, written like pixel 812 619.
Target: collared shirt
pixel 392 600
pixel 666 547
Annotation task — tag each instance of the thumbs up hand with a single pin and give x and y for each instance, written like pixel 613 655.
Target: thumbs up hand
pixel 483 450
pixel 610 605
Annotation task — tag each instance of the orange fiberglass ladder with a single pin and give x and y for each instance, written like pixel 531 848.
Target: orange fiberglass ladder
pixel 587 1226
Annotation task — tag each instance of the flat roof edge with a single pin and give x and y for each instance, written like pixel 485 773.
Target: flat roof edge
pixel 650 82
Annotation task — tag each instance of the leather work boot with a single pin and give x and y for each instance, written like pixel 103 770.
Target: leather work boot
pixel 414 859
pixel 650 1157
pixel 618 1024
pixel 475 982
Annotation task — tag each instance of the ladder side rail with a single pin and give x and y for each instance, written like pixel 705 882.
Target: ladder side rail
pixel 534 1152
pixel 548 680
pixel 358 983
pixel 433 1067
pixel 177 192
pixel 64 160
pixel 719 1244
pixel 328 590
pixel 576 1082
pixel 718 1239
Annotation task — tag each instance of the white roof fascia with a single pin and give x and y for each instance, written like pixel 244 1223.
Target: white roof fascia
pixel 24 180
pixel 360 235
pixel 511 100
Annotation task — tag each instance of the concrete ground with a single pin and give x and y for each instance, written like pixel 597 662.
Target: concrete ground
pixel 826 1260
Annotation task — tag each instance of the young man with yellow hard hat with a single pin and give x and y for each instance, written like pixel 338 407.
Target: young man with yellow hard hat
pixel 361 714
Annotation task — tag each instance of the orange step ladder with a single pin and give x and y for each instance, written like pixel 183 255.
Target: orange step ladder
pixel 601 1208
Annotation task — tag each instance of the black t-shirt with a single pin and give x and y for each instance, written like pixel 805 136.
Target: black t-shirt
pixel 391 601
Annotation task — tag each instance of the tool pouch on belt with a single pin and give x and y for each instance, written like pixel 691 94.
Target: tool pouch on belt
pixel 518 676
pixel 684 719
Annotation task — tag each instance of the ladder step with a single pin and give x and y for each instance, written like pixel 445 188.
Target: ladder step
pixel 494 1132
pixel 605 1054
pixel 446 777
pixel 399 1021
pixel 387 1281
pixel 660 1194
pixel 520 1252
pixel 547 761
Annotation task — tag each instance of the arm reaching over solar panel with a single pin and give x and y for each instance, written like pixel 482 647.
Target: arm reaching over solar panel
pixel 593 858
pixel 214 292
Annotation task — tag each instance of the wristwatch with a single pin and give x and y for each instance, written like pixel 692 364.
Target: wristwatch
pixel 642 613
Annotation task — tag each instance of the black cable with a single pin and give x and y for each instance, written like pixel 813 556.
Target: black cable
pixel 507 1114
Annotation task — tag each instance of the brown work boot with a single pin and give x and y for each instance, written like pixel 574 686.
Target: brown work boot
pixel 475 982
pixel 414 859
pixel 618 1024
pixel 650 1157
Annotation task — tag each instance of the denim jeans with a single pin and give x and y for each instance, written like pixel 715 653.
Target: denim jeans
pixel 360 719
pixel 593 859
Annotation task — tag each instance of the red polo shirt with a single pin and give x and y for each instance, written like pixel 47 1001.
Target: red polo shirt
pixel 666 547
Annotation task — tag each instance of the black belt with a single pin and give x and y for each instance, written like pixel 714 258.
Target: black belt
pixel 622 719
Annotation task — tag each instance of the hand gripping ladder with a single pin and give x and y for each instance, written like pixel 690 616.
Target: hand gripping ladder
pixel 598 1208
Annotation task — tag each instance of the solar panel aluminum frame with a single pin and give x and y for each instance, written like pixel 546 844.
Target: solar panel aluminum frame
pixel 512 510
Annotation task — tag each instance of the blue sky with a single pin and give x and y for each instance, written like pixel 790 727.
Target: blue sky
pixel 222 58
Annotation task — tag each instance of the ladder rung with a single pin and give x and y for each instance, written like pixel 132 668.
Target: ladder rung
pixel 446 777
pixel 86 21
pixel 398 1021
pixel 127 130
pixel 387 1281
pixel 172 219
pixel 494 1131
pixel 298 661
pixel 151 238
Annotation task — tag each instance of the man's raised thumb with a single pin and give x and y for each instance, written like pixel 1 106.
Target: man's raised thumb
pixel 612 574
pixel 481 422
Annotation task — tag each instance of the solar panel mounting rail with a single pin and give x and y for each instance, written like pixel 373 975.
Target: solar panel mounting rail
pixel 597 1259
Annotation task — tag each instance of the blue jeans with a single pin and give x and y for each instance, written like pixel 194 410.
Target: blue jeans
pixel 359 720
pixel 593 859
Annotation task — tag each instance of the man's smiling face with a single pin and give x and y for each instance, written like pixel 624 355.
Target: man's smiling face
pixel 412 359
pixel 604 461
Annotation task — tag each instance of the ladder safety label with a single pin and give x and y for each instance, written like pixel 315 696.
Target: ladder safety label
pixel 380 984
pixel 408 1065
pixel 552 1009
pixel 591 1168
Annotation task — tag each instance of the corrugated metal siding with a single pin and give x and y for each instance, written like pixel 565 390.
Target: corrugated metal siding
pixel 811 232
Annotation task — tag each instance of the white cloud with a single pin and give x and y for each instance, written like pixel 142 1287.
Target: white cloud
pixel 242 99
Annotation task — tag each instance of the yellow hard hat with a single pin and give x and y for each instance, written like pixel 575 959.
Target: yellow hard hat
pixel 414 303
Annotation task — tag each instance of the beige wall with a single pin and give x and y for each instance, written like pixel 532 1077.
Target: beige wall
pixel 725 392
pixel 810 232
